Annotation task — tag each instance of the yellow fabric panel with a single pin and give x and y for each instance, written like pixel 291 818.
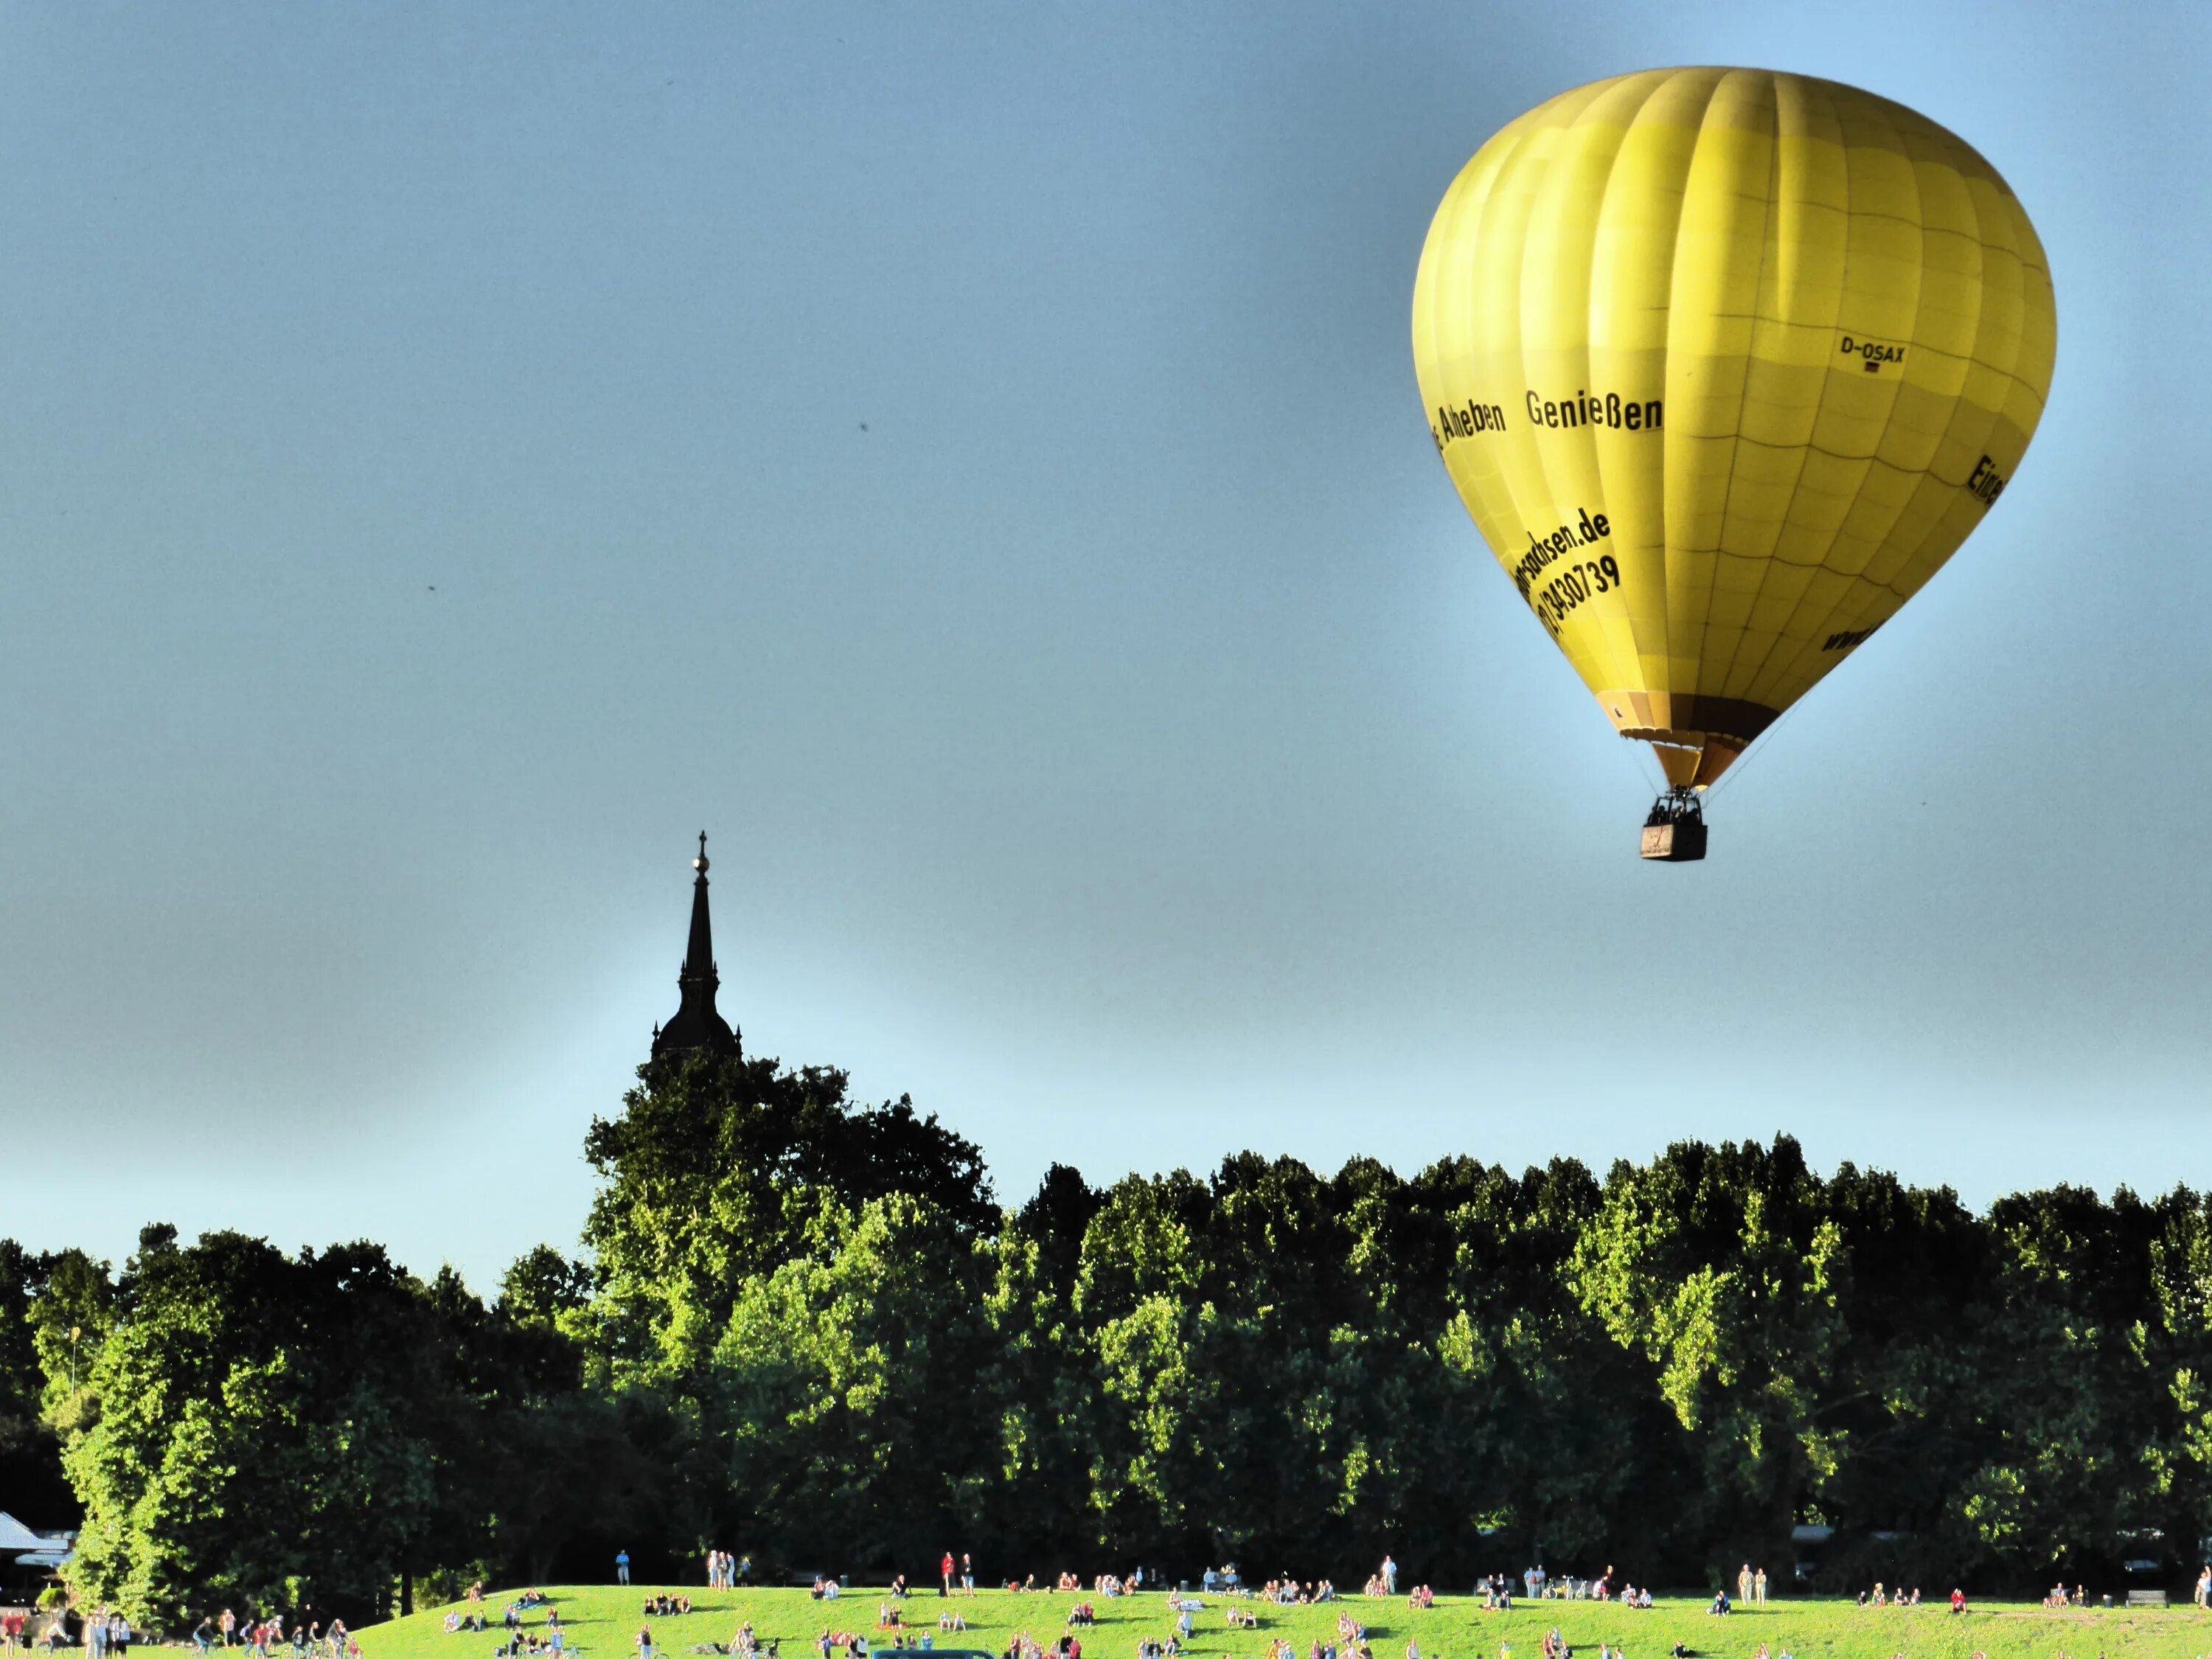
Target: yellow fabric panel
pixel 1725 364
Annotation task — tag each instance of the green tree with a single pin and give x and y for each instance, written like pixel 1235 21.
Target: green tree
pixel 712 1178
pixel 846 1378
pixel 30 1449
pixel 259 1430
pixel 1721 1266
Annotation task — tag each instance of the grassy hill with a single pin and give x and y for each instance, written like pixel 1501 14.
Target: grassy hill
pixel 603 1622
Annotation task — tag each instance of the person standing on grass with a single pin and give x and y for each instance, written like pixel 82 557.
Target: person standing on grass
pixel 945 1573
pixel 1759 1588
pixel 967 1574
pixel 645 1642
pixel 621 1571
pixel 1389 1574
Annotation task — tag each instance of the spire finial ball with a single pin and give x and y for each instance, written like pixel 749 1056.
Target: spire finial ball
pixel 700 863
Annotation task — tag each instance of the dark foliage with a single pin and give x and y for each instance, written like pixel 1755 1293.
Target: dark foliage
pixel 805 1330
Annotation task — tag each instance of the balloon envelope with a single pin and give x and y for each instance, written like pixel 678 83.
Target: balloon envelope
pixel 1725 364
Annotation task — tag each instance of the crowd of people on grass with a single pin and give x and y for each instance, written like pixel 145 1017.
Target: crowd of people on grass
pixel 108 1634
pixel 724 1569
pixel 259 1639
pixel 1880 1597
pixel 518 1641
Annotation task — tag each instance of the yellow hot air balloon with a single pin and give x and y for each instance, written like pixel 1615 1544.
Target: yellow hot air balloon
pixel 1725 363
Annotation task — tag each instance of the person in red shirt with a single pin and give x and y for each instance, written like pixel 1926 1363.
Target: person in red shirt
pixel 945 1571
pixel 1958 1600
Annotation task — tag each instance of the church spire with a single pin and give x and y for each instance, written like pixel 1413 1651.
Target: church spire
pixel 695 1024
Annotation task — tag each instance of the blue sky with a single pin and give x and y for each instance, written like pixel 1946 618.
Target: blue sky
pixel 968 460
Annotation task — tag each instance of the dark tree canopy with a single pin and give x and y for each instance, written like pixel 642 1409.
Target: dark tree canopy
pixel 803 1328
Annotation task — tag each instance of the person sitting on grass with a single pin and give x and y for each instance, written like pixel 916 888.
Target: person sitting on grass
pixel 1957 1600
pixel 1720 1606
pixel 951 1621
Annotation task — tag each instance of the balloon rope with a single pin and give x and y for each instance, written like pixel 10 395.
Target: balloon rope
pixel 1757 748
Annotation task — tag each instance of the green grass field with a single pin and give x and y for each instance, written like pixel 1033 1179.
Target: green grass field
pixel 603 1622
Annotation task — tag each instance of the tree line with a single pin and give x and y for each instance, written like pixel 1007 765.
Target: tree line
pixel 804 1328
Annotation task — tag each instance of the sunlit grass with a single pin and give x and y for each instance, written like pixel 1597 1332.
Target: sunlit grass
pixel 603 1622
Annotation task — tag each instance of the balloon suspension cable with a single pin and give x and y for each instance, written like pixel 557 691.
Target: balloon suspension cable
pixel 1757 748
pixel 1679 804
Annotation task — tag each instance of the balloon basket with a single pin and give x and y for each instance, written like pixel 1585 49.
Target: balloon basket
pixel 1674 833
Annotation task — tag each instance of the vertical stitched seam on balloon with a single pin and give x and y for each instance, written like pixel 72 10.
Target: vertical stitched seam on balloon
pixel 1634 670
pixel 1485 495
pixel 1964 405
pixel 1667 433
pixel 1820 404
pixel 1756 686
pixel 1743 397
pixel 1551 185
pixel 1855 616
pixel 1507 486
pixel 1767 567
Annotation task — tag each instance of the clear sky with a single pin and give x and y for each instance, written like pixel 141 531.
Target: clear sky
pixel 968 460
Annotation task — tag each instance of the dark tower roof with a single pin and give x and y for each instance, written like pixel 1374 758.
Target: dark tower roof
pixel 695 1024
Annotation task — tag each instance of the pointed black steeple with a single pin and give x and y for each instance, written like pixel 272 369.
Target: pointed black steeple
pixel 695 1024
